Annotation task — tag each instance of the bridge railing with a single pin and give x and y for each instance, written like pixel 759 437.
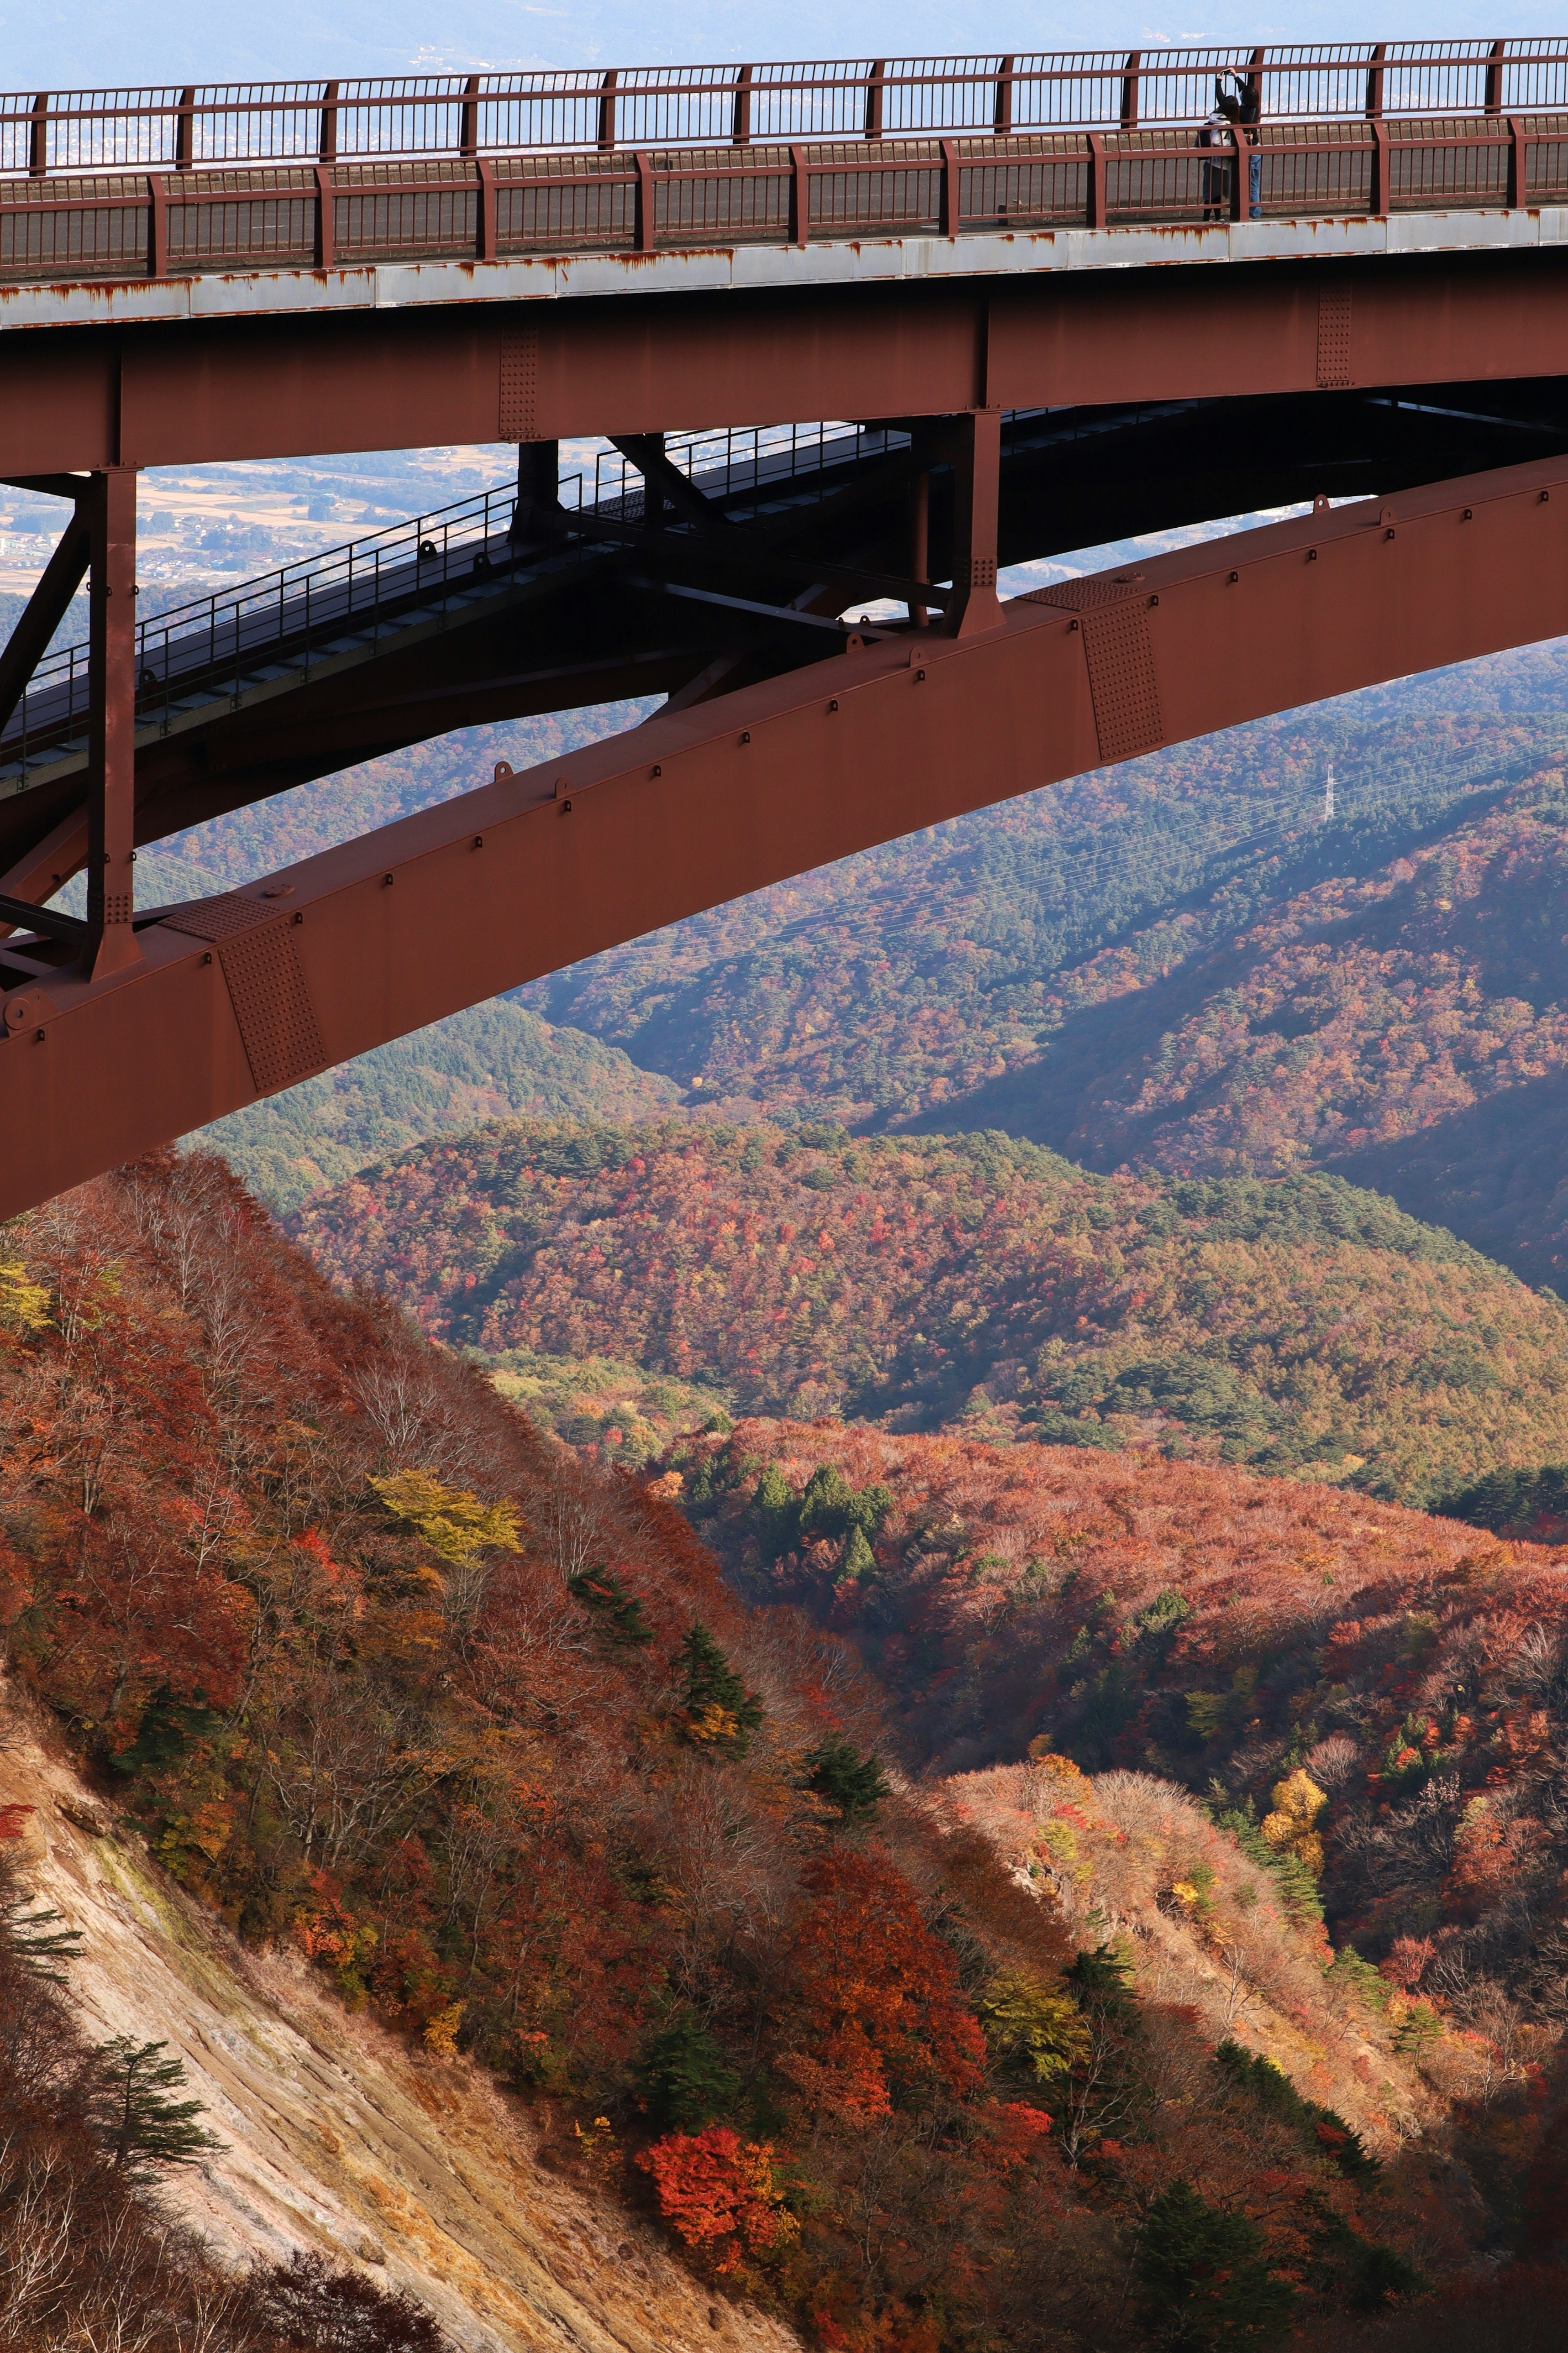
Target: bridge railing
pixel 643 201
pixel 170 129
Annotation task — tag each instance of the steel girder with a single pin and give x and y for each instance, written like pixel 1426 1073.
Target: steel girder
pixel 598 614
pixel 237 997
pixel 296 383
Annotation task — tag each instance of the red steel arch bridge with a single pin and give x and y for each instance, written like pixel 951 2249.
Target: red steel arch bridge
pixel 849 335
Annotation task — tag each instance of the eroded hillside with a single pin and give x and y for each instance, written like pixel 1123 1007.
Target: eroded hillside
pixel 337 2137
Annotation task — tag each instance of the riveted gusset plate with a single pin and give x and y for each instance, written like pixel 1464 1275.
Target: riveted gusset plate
pixel 272 1007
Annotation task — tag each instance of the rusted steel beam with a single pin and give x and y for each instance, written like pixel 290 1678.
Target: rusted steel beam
pixel 243 995
pixel 295 386
pixel 111 512
pixel 44 610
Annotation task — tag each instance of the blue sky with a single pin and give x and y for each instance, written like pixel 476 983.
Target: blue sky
pixel 73 43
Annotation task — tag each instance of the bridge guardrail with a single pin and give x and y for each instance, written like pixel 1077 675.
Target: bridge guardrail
pixel 119 225
pixel 206 126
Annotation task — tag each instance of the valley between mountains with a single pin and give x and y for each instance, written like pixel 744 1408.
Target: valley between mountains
pixel 850 1629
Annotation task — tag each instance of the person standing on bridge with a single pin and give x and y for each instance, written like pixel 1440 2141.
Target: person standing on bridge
pixel 1216 132
pixel 1246 110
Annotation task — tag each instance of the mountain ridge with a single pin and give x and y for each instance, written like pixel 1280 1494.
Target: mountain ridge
pixel 1298 1325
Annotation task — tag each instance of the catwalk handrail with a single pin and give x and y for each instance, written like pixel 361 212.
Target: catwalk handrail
pixel 214 642
pixel 619 108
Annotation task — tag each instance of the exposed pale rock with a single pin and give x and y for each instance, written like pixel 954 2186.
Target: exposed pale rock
pixel 337 2136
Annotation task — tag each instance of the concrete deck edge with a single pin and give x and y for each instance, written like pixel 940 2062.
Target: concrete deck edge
pixel 716 269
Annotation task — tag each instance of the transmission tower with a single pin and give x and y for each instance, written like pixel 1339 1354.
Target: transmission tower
pixel 1328 793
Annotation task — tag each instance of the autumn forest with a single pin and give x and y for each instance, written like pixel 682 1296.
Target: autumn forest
pixel 898 1562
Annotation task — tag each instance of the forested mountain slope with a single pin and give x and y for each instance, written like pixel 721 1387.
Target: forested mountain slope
pixel 407 1695
pixel 899 982
pixel 1300 1326
pixel 494 1059
pixel 1410 1028
pixel 1376 1701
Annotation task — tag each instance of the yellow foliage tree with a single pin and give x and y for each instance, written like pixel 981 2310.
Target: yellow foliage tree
pixel 451 1521
pixel 23 1305
pixel 441 2031
pixel 1032 2025
pixel 1298 1802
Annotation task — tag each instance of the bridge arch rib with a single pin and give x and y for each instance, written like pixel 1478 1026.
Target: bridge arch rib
pixel 234 998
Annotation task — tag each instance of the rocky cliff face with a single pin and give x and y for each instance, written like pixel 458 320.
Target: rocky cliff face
pixel 337 2138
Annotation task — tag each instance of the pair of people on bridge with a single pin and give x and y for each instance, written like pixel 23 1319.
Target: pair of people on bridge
pixel 1238 112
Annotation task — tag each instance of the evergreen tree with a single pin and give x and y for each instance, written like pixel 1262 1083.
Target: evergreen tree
pixel 1205 2283
pixel 721 1712
pixel 169 1728
pixel 777 1509
pixel 137 2124
pixel 855 1784
pixel 618 1614
pixel 1101 1982
pixel 1325 2132
pixel 859 1560
pixel 682 2077
pixel 37 1939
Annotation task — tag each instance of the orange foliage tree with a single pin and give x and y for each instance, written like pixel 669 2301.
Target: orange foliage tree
pixel 718 2193
pixel 875 1994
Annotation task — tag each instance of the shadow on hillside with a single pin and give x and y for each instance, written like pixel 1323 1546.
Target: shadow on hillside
pixel 1496 1175
pixel 1050 1101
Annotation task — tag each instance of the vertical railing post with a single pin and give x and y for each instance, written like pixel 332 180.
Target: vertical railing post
pixel 1381 188
pixel 1375 82
pixel 184 126
pixel 1517 164
pixel 799 197
pixel 975 607
pixel 111 505
pixel 952 217
pixel 1494 77
pixel 157 225
pixel 1131 76
pixel 39 137
pixel 1097 192
pixel 647 222
pixel 326 218
pixel 327 128
pixel 740 123
pixel 1002 111
pixel 468 118
pixel 607 111
pixel 486 218
pixel 874 100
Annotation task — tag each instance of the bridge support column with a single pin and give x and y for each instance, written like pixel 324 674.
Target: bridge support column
pixel 920 542
pixel 111 512
pixel 977 481
pixel 538 505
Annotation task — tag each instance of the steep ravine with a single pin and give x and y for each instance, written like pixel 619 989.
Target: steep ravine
pixel 337 2136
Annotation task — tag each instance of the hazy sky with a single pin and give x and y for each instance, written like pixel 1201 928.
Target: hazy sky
pixel 76 43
